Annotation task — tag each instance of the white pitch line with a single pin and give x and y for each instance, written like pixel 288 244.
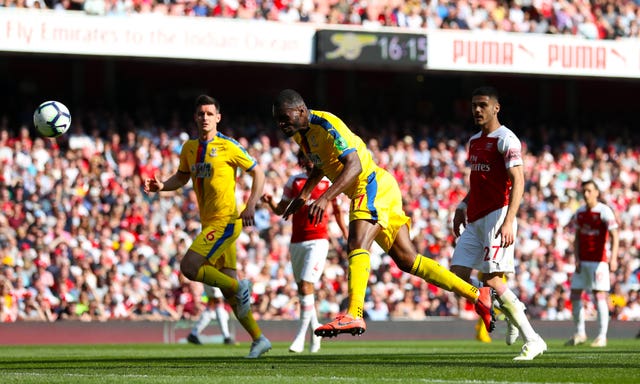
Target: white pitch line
pixel 314 379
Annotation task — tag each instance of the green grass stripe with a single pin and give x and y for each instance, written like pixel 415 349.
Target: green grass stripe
pixel 344 360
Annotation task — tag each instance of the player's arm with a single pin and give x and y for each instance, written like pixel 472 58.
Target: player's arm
pixel 278 208
pixel 313 179
pixel 516 174
pixel 248 214
pixel 576 243
pixel 175 181
pixel 460 216
pixel 350 172
pixel 615 240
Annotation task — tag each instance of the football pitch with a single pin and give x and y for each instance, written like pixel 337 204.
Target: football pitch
pixel 340 361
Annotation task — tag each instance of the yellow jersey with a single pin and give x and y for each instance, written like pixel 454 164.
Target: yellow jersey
pixel 329 140
pixel 213 165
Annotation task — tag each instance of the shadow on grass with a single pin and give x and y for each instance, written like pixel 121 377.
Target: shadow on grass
pixel 391 361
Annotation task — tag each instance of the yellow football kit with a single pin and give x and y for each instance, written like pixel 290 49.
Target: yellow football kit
pixel 375 195
pixel 213 166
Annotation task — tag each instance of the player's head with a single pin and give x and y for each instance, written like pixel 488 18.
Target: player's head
pixel 206 100
pixel 485 105
pixel 591 192
pixel 304 162
pixel 207 113
pixel 290 112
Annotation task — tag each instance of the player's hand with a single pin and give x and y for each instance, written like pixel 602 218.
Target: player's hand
pixel 507 237
pixel 613 264
pixel 293 207
pixel 267 198
pixel 248 216
pixel 459 219
pixel 316 210
pixel 152 185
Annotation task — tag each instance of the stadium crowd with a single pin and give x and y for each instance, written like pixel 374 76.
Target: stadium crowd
pixel 79 239
pixel 593 19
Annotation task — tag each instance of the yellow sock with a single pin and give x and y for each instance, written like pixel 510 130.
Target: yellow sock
pixel 359 270
pixel 435 273
pixel 210 275
pixel 481 332
pixel 250 324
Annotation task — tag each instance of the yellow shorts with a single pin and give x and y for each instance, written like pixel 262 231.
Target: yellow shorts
pixel 216 243
pixel 381 202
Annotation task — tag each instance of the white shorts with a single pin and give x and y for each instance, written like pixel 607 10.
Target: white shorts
pixel 213 292
pixel 478 248
pixel 593 276
pixel 308 259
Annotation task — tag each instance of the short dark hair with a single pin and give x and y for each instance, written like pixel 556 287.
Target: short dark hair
pixel 592 182
pixel 486 90
pixel 206 100
pixel 288 98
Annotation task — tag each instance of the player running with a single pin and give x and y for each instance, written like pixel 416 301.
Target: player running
pixel 376 212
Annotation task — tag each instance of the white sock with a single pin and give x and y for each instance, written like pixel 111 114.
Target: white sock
pixel 314 317
pixel 307 310
pixel 603 317
pixel 203 321
pixel 515 310
pixel 578 316
pixel 223 319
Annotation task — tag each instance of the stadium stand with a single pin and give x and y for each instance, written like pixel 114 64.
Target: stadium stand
pixel 79 240
pixel 600 19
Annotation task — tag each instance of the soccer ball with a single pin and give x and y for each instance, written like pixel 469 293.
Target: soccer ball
pixel 52 119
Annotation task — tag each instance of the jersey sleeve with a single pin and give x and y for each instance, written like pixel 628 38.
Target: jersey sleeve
pixel 184 166
pixel 241 158
pixel 288 194
pixel 609 217
pixel 511 149
pixel 336 129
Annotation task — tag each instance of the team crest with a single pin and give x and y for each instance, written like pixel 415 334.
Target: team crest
pixel 213 152
pixel 313 140
pixel 341 144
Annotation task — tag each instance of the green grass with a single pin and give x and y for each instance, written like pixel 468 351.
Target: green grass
pixel 342 361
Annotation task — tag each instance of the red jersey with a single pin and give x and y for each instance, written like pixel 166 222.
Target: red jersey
pixel 489 157
pixel 592 228
pixel 303 230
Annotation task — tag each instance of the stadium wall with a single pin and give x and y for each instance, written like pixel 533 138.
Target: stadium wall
pixel 123 332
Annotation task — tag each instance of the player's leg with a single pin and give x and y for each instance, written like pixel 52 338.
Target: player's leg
pixel 202 323
pixel 406 257
pixel 217 242
pixel 577 310
pixel 207 247
pixel 601 286
pixel 260 344
pixel 307 260
pixel 220 312
pixel 513 332
pixel 579 282
pixel 514 310
pixel 602 309
pixel 361 235
pixel 468 255
pixel 481 332
pixel 495 262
